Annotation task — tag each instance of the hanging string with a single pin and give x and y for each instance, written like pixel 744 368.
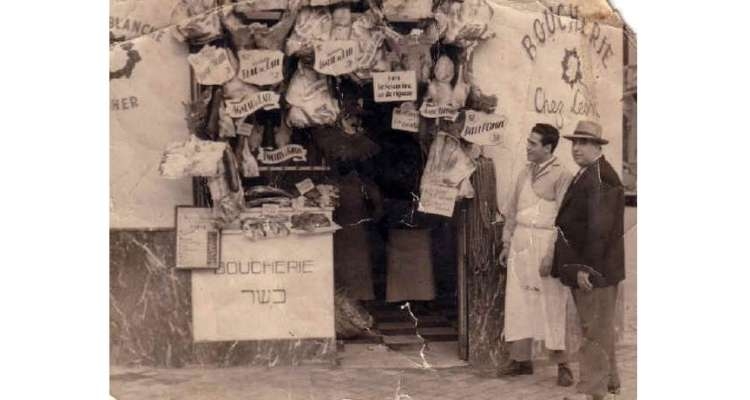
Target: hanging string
pixel 481 215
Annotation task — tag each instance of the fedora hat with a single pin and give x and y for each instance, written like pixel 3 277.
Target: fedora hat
pixel 588 130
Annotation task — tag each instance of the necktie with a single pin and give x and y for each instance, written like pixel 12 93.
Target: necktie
pixel 578 175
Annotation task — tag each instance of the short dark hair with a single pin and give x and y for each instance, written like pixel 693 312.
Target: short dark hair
pixel 550 135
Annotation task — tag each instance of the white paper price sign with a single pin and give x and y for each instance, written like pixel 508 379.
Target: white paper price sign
pixel 405 120
pixel 336 57
pixel 431 110
pixel 437 199
pixel 395 86
pixel 305 186
pixel 197 239
pixel 252 103
pixel 212 66
pixel 484 129
pixel 261 67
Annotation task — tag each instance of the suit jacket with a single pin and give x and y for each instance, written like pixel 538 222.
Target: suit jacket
pixel 590 227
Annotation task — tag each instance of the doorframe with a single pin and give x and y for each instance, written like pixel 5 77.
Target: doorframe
pixel 462 285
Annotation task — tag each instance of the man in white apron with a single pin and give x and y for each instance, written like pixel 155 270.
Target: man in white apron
pixel 537 305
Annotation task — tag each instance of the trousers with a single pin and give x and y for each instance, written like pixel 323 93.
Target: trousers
pixel 596 311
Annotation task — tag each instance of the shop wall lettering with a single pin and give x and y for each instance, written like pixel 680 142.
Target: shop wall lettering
pixel 543 105
pixel 583 105
pixel 124 103
pixel 128 25
pixel 551 24
pixel 256 267
pixel 580 104
pixel 266 296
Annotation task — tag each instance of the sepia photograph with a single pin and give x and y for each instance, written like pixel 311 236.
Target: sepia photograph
pixel 372 200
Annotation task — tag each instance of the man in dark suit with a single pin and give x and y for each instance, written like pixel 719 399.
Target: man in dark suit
pixel 589 256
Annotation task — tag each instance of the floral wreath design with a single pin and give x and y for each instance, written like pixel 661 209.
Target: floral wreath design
pixel 571 67
pixel 133 58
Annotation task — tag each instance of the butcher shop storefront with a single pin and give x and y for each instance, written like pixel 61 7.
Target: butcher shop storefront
pixel 291 180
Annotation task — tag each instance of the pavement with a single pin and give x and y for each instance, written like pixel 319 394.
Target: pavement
pixel 372 372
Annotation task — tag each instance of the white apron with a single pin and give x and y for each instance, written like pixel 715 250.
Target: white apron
pixel 535 307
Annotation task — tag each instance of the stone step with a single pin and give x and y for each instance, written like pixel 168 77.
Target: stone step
pixel 403 316
pixel 368 339
pixel 403 342
pixel 424 322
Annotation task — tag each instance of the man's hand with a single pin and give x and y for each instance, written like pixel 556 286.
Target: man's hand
pixel 583 281
pixel 504 256
pixel 546 267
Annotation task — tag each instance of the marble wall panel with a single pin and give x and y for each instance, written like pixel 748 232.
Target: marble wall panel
pixel 150 314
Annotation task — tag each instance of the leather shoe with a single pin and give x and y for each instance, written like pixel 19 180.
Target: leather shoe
pixel 564 375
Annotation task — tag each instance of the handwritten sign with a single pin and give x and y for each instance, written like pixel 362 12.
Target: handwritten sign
pixel 431 110
pixel 394 86
pixel 405 120
pixel 197 244
pixel 261 67
pixel 251 103
pixel 484 129
pixel 288 285
pixel 336 57
pixel 305 186
pixel 289 152
pixel 212 65
pixel 437 199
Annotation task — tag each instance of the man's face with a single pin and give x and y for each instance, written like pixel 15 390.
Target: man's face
pixel 535 151
pixel 585 151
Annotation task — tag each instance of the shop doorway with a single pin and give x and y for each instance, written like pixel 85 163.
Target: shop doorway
pixel 413 261
pixel 436 318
